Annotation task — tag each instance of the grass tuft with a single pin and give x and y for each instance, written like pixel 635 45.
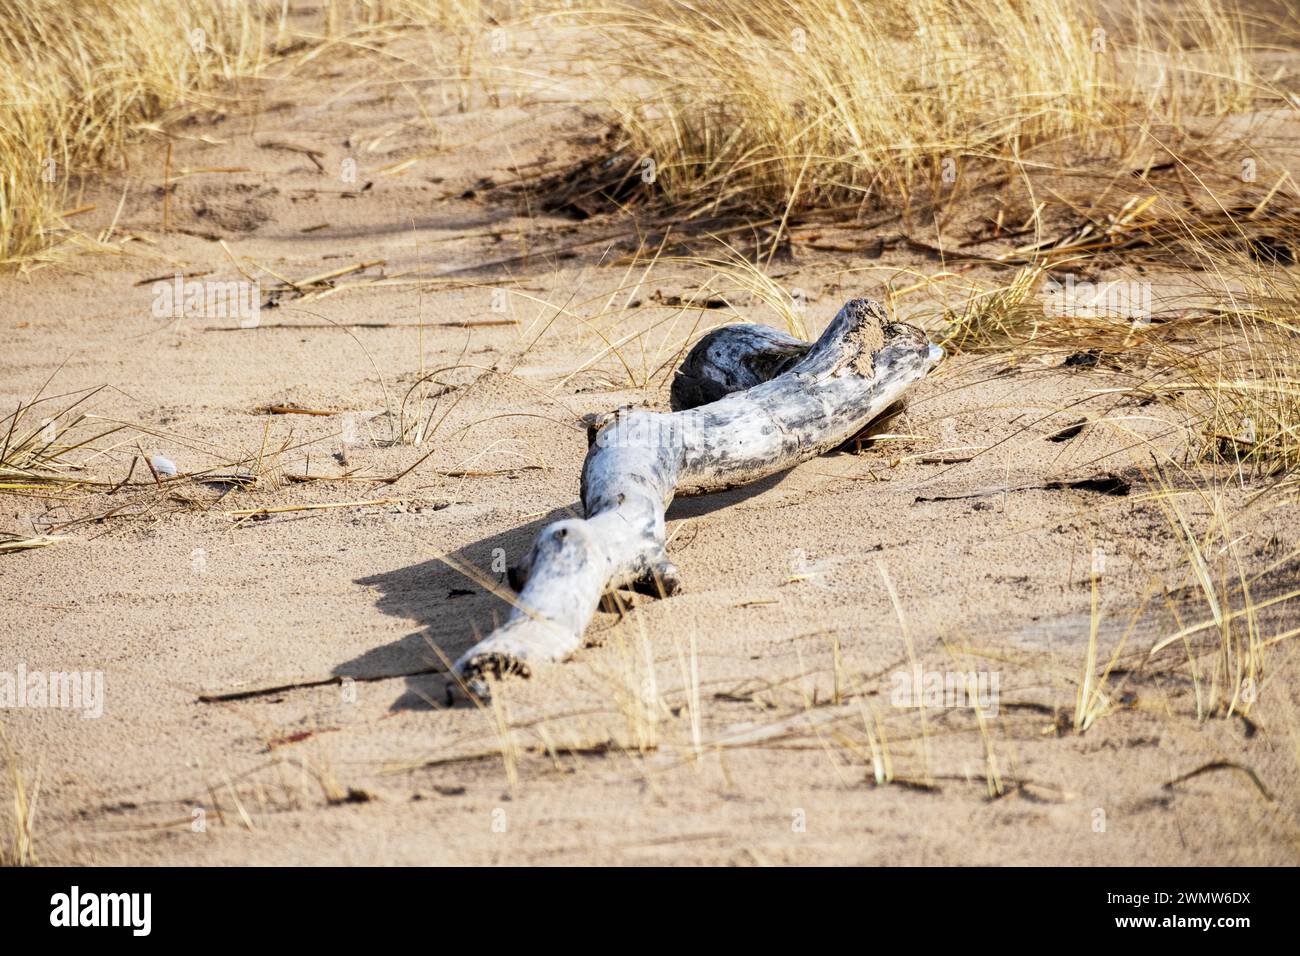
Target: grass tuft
pixel 819 104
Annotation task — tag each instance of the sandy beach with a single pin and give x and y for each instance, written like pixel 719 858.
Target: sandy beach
pixel 365 442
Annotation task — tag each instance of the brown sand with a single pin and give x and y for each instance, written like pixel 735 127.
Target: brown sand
pixel 769 679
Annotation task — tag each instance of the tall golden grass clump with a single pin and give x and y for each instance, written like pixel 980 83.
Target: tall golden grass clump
pixel 340 16
pixel 21 812
pixel 78 77
pixel 814 103
pixel 1225 350
pixel 1244 382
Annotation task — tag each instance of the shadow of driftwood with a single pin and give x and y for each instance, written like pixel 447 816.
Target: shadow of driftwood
pixel 447 607
pixel 452 611
pixel 697 506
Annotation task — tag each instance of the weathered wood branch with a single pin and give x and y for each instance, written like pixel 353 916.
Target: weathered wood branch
pixel 754 402
pixel 732 359
pixel 736 357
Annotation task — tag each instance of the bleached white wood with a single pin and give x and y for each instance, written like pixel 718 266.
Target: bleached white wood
pixel 795 402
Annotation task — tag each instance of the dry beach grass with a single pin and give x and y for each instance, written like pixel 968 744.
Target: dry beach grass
pixel 470 225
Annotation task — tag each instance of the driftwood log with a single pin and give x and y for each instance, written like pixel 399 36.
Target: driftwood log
pixel 751 402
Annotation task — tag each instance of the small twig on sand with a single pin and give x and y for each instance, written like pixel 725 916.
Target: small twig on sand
pixel 285 509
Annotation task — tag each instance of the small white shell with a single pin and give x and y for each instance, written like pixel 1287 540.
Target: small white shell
pixel 163 466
